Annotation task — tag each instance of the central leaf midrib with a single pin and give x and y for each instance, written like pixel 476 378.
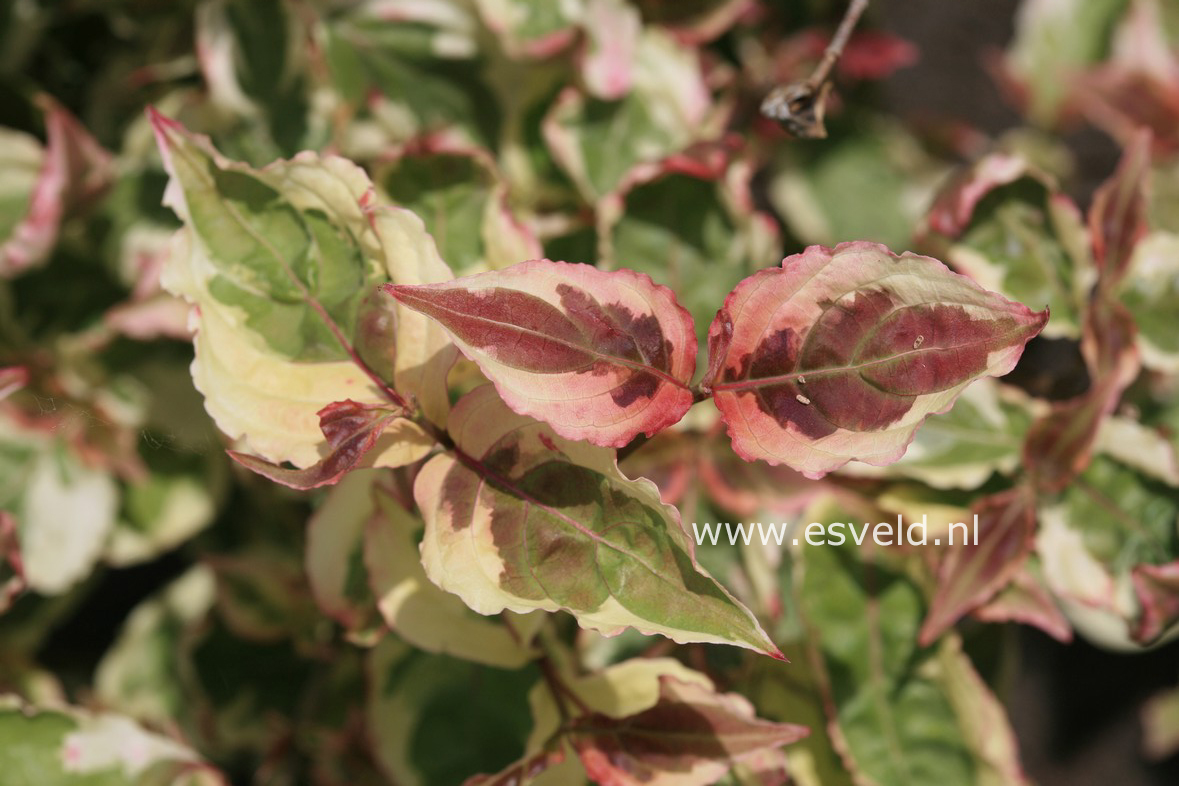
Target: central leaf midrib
pixel 665 376
pixel 751 383
pixel 319 309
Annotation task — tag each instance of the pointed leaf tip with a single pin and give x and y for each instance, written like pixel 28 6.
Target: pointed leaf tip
pixel 159 119
pixel 161 125
pixel 522 519
pixel 1118 218
pixel 971 574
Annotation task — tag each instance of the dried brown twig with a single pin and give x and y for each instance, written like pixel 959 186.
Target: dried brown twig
pixel 799 106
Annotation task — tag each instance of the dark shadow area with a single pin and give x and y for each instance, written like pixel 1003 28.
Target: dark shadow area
pixel 1075 709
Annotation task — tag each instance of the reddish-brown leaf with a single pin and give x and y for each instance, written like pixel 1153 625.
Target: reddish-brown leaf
pixel 351 429
pixel 12 572
pixel 1157 588
pixel 691 732
pixel 1027 601
pixel 599 356
pixel 12 379
pixel 970 574
pixel 952 210
pixel 1059 446
pixel 1117 219
pixel 842 353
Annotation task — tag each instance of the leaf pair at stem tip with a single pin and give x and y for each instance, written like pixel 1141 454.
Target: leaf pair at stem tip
pixel 839 354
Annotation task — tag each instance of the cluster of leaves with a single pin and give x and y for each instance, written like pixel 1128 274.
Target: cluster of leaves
pixel 455 534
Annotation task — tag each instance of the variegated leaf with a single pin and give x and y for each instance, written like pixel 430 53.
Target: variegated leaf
pixel 68 745
pixel 42 185
pixel 600 356
pixel 842 353
pixel 1107 546
pixel 353 431
pixel 1150 291
pixel 1026 600
pixel 899 713
pixel 283 264
pixel 64 508
pixel 1005 223
pixel 417 610
pixel 971 573
pixel 691 736
pixel 666 111
pixel 519 518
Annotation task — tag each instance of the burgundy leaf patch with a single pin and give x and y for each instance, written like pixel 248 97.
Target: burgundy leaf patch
pixel 1117 219
pixel 1028 601
pixel 12 379
pixel 351 429
pixel 1059 446
pixel 970 574
pixel 1157 588
pixel 600 356
pixel 689 730
pixel 12 572
pixel 842 354
pixel 519 518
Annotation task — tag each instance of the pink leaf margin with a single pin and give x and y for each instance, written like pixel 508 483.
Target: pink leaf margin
pixel 666 405
pixel 75 170
pixel 720 339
